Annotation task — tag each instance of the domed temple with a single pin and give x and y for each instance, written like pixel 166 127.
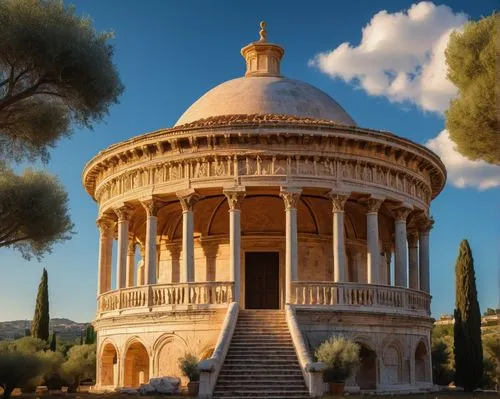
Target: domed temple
pixel 262 223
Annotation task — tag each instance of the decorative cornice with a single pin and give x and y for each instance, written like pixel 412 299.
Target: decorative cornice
pixel 338 201
pixel 165 144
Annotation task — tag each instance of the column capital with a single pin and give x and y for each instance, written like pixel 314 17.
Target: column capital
pixel 374 204
pixel 401 213
pixel 425 225
pixel 105 225
pixel 234 198
pixel 290 197
pixel 338 200
pixel 131 246
pixel 187 199
pixel 123 213
pixel 412 237
pixel 151 206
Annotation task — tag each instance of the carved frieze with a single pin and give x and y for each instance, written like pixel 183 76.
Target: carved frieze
pixel 352 171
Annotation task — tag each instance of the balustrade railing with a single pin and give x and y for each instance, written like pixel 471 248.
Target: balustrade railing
pixel 167 295
pixel 357 295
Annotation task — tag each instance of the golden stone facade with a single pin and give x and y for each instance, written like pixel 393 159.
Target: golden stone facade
pixel 344 210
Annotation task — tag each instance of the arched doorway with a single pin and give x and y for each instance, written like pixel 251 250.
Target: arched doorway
pixel 109 366
pixel 367 373
pixel 392 365
pixel 421 361
pixel 167 359
pixel 136 368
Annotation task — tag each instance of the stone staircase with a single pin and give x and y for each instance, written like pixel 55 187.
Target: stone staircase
pixel 261 361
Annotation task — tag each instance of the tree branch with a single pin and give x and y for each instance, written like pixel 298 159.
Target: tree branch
pixel 13 241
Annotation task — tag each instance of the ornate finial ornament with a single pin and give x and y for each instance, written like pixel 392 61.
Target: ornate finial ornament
pixel 263 32
pixel 262 58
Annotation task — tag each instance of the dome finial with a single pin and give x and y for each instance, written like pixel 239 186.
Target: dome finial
pixel 262 58
pixel 263 32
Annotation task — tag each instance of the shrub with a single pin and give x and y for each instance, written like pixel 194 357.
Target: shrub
pixel 341 357
pixel 189 366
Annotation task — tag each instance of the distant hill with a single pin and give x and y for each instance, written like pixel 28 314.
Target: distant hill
pixel 67 330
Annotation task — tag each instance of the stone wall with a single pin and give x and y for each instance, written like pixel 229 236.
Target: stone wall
pixel 135 348
pixel 392 340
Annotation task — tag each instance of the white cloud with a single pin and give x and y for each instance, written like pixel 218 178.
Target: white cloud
pixel 463 172
pixel 401 57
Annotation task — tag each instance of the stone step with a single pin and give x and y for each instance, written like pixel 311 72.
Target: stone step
pixel 256 351
pixel 252 391
pixel 261 361
pixel 263 357
pixel 272 379
pixel 259 375
pixel 287 395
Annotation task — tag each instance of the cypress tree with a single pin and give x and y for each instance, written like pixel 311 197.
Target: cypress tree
pixel 40 325
pixel 467 329
pixel 53 343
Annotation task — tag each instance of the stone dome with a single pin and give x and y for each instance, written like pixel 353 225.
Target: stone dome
pixel 264 91
pixel 266 95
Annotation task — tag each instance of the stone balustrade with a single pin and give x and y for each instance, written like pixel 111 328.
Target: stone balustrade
pixel 368 296
pixel 165 296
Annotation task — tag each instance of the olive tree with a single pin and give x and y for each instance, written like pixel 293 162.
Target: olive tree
pixel 56 71
pixel 17 369
pixel 34 211
pixel 472 119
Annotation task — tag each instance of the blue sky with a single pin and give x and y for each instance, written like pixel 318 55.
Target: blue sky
pixel 171 52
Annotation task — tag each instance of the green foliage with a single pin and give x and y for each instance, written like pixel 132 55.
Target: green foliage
pixel 34 212
pixel 189 366
pixel 18 369
pixel 442 330
pixel 40 325
pixel 472 119
pixel 27 345
pixel 467 329
pixel 81 364
pixel 341 357
pixel 90 335
pixel 442 368
pixel 491 355
pixel 53 342
pixel 55 70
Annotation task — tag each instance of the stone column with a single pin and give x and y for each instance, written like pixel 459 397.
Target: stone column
pixel 234 199
pixel 387 259
pixel 338 202
pixel 424 230
pixel 140 268
pixel 401 251
pixel 105 227
pixel 373 250
pixel 130 262
pixel 413 259
pixel 187 199
pixel 290 197
pixel 123 214
pixel 150 261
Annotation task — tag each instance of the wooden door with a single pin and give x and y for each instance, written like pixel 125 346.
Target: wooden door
pixel 262 280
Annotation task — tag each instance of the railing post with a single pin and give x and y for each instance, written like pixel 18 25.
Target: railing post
pixel 150 296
